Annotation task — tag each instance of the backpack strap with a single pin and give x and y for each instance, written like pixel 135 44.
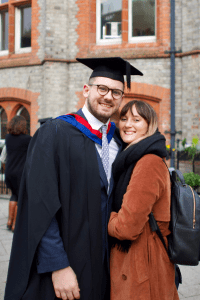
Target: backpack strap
pixel 155 228
pixel 175 172
pixel 152 221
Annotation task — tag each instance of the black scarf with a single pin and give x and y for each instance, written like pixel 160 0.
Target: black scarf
pixel 123 168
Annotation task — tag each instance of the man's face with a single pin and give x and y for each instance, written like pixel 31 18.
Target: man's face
pixel 102 107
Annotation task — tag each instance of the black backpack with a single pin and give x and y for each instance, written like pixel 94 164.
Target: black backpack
pixel 184 240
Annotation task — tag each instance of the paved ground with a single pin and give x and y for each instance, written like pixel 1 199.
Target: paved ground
pixel 190 289
pixel 5 243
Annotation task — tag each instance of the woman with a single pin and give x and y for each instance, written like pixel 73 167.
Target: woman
pixel 17 142
pixel 139 265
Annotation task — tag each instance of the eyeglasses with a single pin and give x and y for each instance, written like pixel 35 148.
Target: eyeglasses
pixel 104 90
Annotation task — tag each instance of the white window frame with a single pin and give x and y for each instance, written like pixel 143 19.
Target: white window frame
pixel 18 49
pixel 140 39
pixel 2 141
pixel 2 52
pixel 100 41
pixel 20 110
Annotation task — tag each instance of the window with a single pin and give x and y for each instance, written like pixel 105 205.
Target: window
pixel 3 120
pixel 18 26
pixel 109 19
pixel 24 112
pixel 142 16
pixel 22 29
pixel 3 27
pixel 3 30
pixel 141 21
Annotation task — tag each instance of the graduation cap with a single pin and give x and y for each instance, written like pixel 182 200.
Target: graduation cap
pixel 111 67
pixel 42 121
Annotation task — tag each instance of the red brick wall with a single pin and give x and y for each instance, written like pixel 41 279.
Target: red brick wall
pixel 87 33
pixel 12 98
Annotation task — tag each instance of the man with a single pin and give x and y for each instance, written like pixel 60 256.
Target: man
pixel 60 247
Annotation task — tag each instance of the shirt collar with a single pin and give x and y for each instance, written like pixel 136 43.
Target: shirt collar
pixel 94 122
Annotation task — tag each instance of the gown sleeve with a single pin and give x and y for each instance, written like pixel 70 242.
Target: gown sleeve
pixel 51 255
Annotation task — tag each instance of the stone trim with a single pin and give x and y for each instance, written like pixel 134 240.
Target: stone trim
pixel 25 62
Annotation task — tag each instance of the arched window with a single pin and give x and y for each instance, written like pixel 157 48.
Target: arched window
pixel 3 121
pixel 22 111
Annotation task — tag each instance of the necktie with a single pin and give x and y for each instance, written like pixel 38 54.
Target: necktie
pixel 105 150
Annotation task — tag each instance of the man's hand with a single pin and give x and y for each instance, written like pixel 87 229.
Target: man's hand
pixel 65 284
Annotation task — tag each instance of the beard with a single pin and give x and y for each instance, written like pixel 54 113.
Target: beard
pixel 101 116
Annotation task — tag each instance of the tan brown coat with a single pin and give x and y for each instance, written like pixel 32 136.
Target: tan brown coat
pixel 145 272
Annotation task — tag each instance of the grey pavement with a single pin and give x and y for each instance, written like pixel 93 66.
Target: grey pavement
pixel 5 242
pixel 190 289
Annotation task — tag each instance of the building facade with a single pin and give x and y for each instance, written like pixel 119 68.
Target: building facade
pixel 40 40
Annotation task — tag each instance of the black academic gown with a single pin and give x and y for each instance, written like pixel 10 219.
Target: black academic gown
pixel 61 177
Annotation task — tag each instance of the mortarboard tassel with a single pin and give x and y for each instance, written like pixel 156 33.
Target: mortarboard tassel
pixel 128 75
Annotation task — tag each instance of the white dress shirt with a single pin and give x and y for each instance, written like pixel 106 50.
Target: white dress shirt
pixel 113 146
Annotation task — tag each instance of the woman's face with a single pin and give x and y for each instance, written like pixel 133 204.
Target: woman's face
pixel 132 127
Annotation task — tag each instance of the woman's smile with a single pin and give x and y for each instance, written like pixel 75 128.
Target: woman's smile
pixel 132 126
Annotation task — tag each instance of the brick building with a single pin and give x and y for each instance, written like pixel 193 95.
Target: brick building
pixel 39 41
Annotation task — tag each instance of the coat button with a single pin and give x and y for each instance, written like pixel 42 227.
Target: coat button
pixel 124 277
